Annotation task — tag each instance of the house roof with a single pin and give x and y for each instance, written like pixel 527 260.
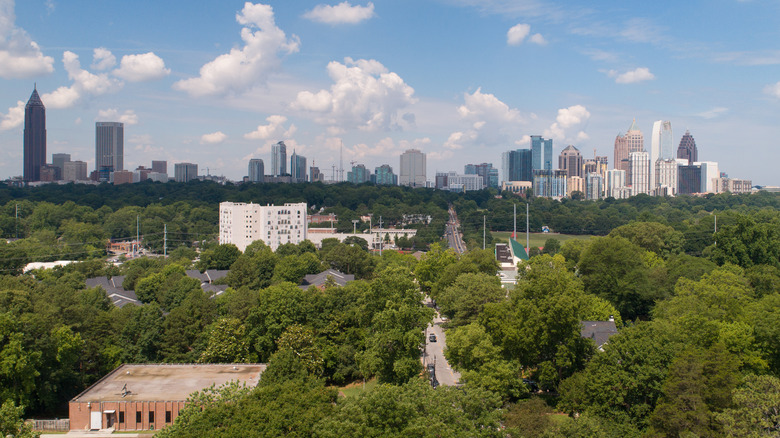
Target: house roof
pixel 599 331
pixel 114 290
pixel 320 279
pixel 517 249
pixel 166 382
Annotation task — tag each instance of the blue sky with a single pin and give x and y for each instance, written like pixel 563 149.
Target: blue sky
pixel 462 80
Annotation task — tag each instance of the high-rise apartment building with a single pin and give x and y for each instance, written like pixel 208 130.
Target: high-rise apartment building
pixel 160 166
pixel 486 170
pixel 456 182
pixel 279 159
pixel 639 166
pixel 359 174
pixel 632 141
pixel 550 183
pixel 517 165
pixel 661 147
pixel 183 172
pixel 74 171
pixel 315 175
pixel 687 149
pixel 541 153
pixel 709 175
pixel 34 137
pixel 574 184
pixel 666 177
pixel 413 169
pixel 570 160
pixel 297 168
pixel 241 224
pixel 594 186
pixel 256 170
pixel 384 175
pixel 688 179
pixel 109 148
pixel 616 184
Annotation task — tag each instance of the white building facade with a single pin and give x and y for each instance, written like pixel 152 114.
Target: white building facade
pixel 639 163
pixel 241 224
pixel 413 167
pixel 666 177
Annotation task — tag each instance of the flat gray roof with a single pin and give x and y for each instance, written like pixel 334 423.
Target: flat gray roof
pixel 166 382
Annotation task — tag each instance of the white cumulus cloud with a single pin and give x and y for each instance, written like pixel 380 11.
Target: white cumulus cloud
pixel 14 118
pixel 103 59
pixel 213 138
pixel 84 84
pixel 243 68
pixel 129 117
pixel 571 118
pixel 517 34
pixel 537 38
pixel 273 130
pixel 342 13
pixel 142 67
pixel 490 121
pixel 773 90
pixel 632 76
pixel 20 56
pixel 364 95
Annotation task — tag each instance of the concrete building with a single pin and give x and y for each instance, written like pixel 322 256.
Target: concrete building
pixel 456 182
pixel 109 148
pixel 256 170
pixel 241 224
pixel 279 159
pixel 594 186
pixel 58 161
pixel 735 186
pixel 517 187
pixel 550 183
pixel 122 177
pixel 709 175
pixel 570 160
pixel 150 397
pixel 689 179
pixel 661 147
pixel 616 184
pixel 183 172
pixel 413 169
pixel 141 173
pixel 34 138
pixel 74 171
pixel 639 168
pixel 517 165
pixel 488 173
pixel 158 177
pixel 632 141
pixel 574 184
pixel 666 177
pixel 160 166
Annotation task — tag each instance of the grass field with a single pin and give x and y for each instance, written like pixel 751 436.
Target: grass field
pixel 354 389
pixel 537 239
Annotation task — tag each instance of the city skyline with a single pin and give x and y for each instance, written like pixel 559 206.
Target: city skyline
pixel 462 90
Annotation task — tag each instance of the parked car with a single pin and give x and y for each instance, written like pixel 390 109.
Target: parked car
pixel 432 337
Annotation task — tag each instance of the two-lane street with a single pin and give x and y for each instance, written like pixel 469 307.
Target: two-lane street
pixel 454 238
pixel 434 354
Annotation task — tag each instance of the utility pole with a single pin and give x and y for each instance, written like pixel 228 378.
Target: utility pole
pixel 514 231
pixel 17 221
pixel 483 231
pixel 354 225
pixel 165 240
pixel 137 233
pixel 527 236
pixel 381 239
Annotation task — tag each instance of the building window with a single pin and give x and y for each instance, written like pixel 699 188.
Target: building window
pixel 151 417
pixel 138 417
pixel 167 416
pixel 121 416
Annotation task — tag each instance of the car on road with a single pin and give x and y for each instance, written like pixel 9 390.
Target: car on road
pixel 431 370
pixel 432 337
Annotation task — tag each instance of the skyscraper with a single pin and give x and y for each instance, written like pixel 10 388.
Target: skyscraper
pixel 160 166
pixel 541 150
pixel 384 175
pixel 297 168
pixel 687 149
pixel 632 141
pixel 184 172
pixel 58 162
pixel 570 160
pixel 413 172
pixel 661 147
pixel 109 148
pixel 485 170
pixel 256 170
pixel 639 165
pixel 279 159
pixel 665 176
pixel 34 137
pixel 359 174
pixel 516 165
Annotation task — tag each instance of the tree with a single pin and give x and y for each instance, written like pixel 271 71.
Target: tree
pixel 747 243
pixel 528 418
pixel 432 264
pixel 464 300
pixel 12 422
pixel 652 236
pixel 226 342
pixel 756 409
pixel 551 246
pixel 253 269
pixel 220 257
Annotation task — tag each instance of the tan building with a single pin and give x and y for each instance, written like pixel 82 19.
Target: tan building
pixel 122 177
pixel 149 397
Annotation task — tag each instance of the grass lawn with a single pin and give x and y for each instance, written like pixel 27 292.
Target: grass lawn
pixel 354 389
pixel 537 239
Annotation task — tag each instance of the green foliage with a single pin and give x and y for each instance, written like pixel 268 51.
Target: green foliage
pixel 463 301
pixel 12 423
pixel 756 408
pixel 226 342
pixel 220 257
pixel 528 418
pixel 652 236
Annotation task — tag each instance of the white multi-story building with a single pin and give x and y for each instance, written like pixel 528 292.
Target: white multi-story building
pixel 594 186
pixel 74 171
pixel 639 164
pixel 241 224
pixel 666 177
pixel 413 172
pixel 709 175
pixel 615 183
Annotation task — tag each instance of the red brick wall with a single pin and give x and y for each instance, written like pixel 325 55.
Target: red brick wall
pixel 80 414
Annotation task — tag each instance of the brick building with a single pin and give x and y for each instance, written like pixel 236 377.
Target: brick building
pixel 149 397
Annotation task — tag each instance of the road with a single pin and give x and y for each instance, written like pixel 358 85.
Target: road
pixel 452 232
pixel 434 354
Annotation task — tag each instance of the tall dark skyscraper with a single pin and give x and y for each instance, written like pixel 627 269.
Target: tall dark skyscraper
pixel 34 137
pixel 687 149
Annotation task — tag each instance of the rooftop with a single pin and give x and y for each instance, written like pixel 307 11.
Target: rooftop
pixel 166 382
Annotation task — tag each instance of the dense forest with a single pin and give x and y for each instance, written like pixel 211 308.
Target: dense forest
pixel 698 313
